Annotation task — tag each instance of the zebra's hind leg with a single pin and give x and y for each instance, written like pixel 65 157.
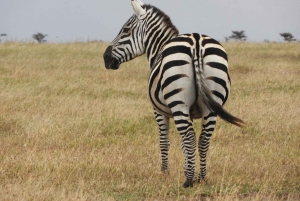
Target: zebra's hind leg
pixel 208 126
pixel 185 127
pixel 164 143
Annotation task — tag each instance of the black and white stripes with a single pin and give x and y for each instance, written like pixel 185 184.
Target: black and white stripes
pixel 189 80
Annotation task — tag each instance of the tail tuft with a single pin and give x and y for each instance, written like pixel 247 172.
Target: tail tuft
pixel 214 106
pixel 221 112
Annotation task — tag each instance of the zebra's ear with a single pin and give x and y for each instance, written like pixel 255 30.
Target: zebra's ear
pixel 139 11
pixel 140 2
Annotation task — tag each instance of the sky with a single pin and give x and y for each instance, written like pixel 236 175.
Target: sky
pixel 78 20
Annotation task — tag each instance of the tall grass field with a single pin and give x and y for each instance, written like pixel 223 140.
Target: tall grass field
pixel 72 130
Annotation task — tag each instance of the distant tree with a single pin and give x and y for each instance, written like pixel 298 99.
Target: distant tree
pixel 287 36
pixel 3 34
pixel 39 37
pixel 237 36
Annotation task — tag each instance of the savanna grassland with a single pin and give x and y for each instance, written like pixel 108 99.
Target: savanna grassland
pixel 72 130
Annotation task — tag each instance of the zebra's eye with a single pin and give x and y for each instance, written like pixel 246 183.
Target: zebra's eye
pixel 126 30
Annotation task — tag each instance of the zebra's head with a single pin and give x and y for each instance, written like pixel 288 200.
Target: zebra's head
pixel 129 42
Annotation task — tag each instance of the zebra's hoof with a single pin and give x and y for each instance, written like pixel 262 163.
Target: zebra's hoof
pixel 188 183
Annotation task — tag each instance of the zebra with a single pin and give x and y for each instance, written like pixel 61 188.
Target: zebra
pixel 188 80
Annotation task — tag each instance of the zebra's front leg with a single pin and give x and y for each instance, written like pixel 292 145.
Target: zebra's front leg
pixel 164 143
pixel 185 127
pixel 208 126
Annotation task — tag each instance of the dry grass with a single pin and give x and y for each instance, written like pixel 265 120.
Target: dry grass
pixel 71 130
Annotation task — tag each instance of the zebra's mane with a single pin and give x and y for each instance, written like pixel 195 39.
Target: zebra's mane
pixel 160 13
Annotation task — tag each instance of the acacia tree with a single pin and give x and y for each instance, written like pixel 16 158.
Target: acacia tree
pixel 39 37
pixel 237 36
pixel 287 36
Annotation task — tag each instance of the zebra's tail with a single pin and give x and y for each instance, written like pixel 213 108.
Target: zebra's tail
pixel 205 96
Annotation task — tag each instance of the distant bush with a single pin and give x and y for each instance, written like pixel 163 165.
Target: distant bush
pixel 287 37
pixel 237 36
pixel 39 37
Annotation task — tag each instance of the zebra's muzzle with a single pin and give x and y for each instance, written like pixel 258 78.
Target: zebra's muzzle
pixel 110 62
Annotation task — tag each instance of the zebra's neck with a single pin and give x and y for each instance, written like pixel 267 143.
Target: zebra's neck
pixel 159 30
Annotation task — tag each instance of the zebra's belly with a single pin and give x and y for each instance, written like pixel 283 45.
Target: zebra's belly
pixel 160 105
pixel 195 111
